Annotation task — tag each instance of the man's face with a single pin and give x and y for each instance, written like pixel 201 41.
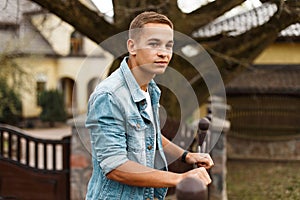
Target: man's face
pixel 153 48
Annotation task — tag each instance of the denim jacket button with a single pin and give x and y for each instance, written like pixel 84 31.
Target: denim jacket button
pixel 149 147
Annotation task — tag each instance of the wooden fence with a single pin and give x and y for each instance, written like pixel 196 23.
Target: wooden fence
pixel 33 168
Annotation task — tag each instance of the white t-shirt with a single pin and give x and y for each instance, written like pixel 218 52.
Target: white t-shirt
pixel 149 111
pixel 149 105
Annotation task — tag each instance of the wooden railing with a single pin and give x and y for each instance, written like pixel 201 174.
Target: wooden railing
pixel 49 160
pixel 190 187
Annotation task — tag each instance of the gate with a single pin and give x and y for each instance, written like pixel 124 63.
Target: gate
pixel 33 168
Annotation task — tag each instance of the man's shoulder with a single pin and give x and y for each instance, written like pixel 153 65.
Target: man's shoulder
pixel 111 83
pixel 114 85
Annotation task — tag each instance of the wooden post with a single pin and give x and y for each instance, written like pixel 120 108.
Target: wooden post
pixel 66 163
pixel 191 188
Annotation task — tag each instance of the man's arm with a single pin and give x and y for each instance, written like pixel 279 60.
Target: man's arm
pixel 135 174
pixel 175 152
pixel 171 149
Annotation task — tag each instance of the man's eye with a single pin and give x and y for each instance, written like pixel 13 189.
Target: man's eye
pixel 169 46
pixel 154 44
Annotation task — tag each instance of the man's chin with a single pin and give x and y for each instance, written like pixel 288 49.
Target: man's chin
pixel 161 70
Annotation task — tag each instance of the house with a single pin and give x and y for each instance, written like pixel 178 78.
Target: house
pixel 265 98
pixel 265 102
pixel 53 53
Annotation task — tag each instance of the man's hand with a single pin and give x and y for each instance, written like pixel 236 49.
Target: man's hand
pixel 199 173
pixel 200 159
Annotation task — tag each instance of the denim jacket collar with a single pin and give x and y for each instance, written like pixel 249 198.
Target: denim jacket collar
pixel 134 87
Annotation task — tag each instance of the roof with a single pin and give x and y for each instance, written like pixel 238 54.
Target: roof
pixel 19 36
pixel 12 11
pixel 243 22
pixel 269 79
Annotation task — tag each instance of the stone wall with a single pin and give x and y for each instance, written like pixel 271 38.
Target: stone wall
pixel 218 135
pixel 283 148
pixel 217 190
pixel 81 162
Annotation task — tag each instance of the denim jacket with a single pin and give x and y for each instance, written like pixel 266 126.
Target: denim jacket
pixel 121 130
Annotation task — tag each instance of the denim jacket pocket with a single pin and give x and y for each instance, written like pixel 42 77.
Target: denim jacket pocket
pixel 136 130
pixel 137 124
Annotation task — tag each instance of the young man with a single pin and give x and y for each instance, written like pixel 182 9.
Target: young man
pixel 127 146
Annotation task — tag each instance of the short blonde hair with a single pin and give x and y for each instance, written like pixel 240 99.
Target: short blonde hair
pixel 147 17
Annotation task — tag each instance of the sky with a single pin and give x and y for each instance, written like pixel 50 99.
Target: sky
pixel 106 6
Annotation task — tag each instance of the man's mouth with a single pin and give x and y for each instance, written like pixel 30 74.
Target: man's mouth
pixel 161 62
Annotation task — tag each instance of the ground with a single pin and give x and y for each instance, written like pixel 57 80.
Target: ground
pixel 254 180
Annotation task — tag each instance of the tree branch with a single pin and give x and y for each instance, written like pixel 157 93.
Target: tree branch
pixel 126 10
pixel 83 19
pixel 206 14
pixel 246 46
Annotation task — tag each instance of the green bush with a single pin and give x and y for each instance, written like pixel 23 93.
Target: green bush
pixel 10 106
pixel 53 109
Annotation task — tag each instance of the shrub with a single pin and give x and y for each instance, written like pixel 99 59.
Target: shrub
pixel 10 106
pixel 53 109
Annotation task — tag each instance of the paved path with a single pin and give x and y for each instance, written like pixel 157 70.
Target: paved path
pixel 55 133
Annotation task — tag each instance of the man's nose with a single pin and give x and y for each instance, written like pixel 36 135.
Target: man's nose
pixel 163 52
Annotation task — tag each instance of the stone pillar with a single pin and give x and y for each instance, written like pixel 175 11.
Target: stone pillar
pixel 81 159
pixel 217 190
pixel 218 129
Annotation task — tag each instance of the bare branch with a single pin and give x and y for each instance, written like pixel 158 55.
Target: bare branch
pixel 208 13
pixel 126 10
pixel 85 20
pixel 246 47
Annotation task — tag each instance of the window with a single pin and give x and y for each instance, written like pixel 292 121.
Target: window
pixel 76 43
pixel 41 81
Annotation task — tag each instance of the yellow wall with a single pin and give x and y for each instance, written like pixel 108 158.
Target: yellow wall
pixel 280 53
pixel 82 70
pixel 79 69
pixel 36 65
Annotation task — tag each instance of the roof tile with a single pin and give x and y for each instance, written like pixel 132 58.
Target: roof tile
pixel 267 79
pixel 243 22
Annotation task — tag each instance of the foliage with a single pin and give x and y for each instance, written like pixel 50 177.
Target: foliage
pixel 13 74
pixel 12 81
pixel 10 106
pixel 53 109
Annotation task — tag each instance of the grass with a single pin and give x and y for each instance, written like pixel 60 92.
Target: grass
pixel 257 180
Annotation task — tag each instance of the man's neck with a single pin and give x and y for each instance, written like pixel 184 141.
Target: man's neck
pixel 144 87
pixel 141 78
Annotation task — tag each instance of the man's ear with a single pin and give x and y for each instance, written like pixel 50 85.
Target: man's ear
pixel 131 47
